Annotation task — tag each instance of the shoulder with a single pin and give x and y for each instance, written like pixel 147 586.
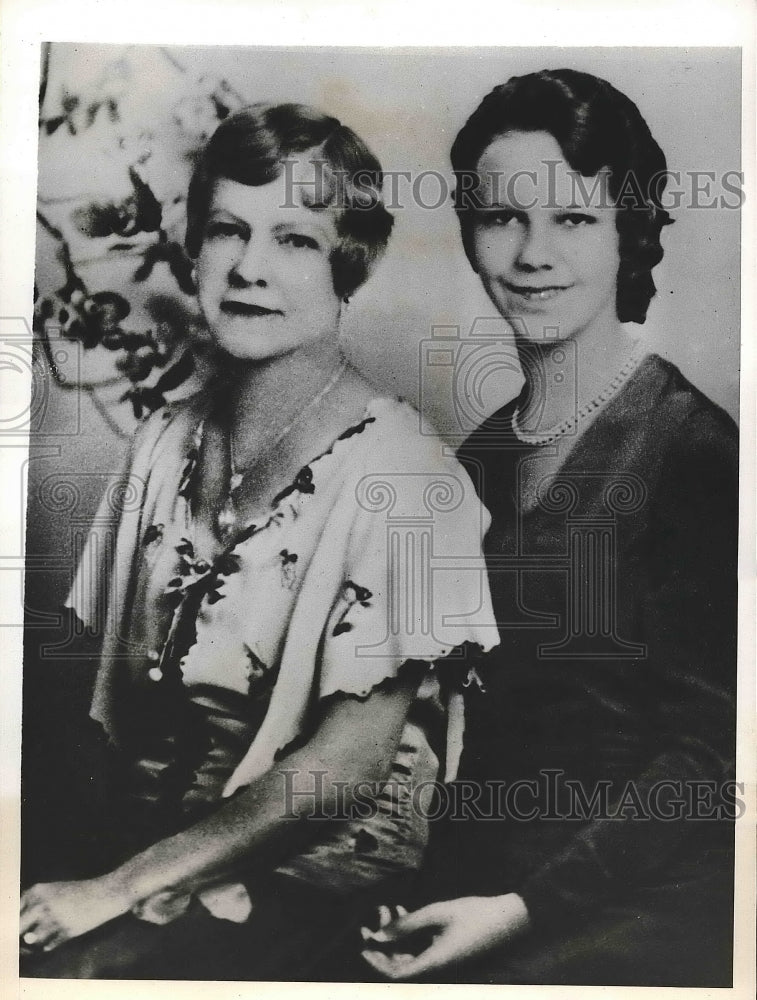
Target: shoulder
pixel 686 425
pixel 657 424
pixel 408 472
pixel 690 448
pixel 681 400
pixel 400 441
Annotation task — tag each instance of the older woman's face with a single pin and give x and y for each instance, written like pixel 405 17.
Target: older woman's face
pixel 263 271
pixel 545 241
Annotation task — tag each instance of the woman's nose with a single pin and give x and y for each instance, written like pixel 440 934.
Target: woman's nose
pixel 252 265
pixel 535 250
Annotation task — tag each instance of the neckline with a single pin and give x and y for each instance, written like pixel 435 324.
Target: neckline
pixel 585 442
pixel 301 483
pixel 504 414
pixel 590 410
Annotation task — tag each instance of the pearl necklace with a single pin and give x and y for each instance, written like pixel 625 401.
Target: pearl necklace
pixel 582 413
pixel 227 517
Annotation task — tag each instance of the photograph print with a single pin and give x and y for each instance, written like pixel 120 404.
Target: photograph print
pixel 382 516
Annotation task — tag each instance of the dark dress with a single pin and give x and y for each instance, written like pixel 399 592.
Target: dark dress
pixel 616 601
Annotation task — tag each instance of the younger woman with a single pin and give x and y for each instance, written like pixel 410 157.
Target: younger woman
pixel 605 743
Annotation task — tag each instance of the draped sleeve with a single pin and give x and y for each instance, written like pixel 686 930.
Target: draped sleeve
pixel 414 584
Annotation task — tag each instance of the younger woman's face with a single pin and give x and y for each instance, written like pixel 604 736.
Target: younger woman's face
pixel 545 242
pixel 264 271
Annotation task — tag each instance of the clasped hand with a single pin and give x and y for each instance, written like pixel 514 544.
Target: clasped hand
pixel 448 932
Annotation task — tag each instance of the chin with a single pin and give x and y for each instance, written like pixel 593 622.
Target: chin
pixel 253 357
pixel 531 329
pixel 246 345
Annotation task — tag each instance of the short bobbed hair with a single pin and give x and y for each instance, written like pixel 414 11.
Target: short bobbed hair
pixel 596 127
pixel 251 147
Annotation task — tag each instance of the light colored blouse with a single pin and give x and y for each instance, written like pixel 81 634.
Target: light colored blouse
pixel 370 558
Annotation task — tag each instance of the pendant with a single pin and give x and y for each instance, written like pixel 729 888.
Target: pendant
pixel 227 517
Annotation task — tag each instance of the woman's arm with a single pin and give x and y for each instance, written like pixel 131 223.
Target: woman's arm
pixel 688 610
pixel 355 742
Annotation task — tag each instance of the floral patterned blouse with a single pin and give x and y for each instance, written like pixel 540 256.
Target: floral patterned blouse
pixel 371 557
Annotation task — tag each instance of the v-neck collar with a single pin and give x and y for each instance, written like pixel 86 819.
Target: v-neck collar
pixel 301 484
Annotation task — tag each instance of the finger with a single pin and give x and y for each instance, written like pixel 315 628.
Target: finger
pixel 436 956
pixel 401 911
pixel 29 921
pixel 385 916
pixel 54 942
pixel 430 917
pixel 377 959
pixel 383 963
pixel 39 943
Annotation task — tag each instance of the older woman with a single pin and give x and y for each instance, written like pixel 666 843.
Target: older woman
pixel 263 661
pixel 606 740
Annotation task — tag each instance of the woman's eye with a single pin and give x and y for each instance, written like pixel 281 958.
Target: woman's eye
pixel 498 217
pixel 571 220
pixel 218 229
pixel 299 241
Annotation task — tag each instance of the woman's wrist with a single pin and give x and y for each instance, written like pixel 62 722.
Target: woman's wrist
pixel 514 913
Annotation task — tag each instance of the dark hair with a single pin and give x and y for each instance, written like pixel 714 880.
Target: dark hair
pixel 251 146
pixel 596 126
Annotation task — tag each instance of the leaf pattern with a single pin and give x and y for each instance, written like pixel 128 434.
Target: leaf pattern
pixel 288 568
pixel 353 594
pixel 154 533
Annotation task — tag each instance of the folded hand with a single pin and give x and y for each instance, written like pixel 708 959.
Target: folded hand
pixel 444 933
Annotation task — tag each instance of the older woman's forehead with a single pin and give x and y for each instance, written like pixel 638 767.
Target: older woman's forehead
pixel 312 181
pixel 288 197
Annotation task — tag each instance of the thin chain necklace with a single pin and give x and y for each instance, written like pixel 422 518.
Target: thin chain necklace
pixel 610 390
pixel 227 515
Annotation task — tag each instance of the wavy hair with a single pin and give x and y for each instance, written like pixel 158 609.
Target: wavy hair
pixel 596 127
pixel 251 147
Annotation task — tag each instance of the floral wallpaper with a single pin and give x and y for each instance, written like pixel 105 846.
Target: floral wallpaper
pixel 117 142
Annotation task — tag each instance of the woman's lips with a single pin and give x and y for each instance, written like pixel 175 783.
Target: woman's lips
pixel 537 293
pixel 231 307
